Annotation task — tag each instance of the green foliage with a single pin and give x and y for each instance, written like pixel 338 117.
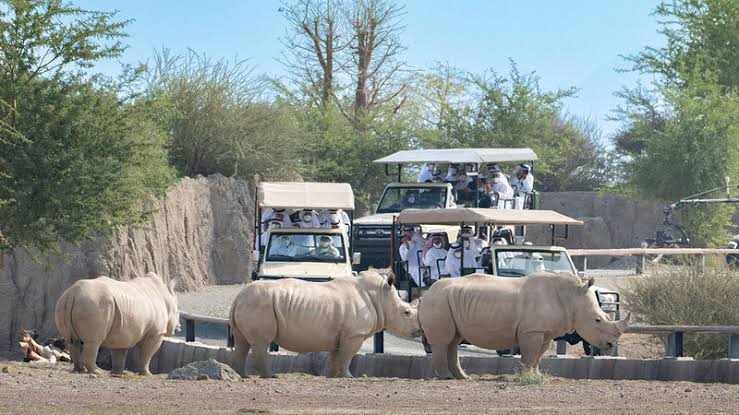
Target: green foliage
pixel 333 150
pixel 700 34
pixel 217 122
pixel 75 158
pixel 688 295
pixel 682 137
pixel 513 111
pixel 692 148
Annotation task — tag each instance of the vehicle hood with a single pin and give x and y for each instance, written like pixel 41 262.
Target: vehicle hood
pixel 305 269
pixel 377 219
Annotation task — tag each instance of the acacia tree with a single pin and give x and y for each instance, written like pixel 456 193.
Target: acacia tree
pixel 680 136
pixel 375 53
pixel 700 35
pixel 337 46
pixel 76 157
pixel 216 121
pixel 315 38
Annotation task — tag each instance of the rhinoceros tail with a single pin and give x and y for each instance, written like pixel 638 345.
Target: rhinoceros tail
pixel 64 318
pixel 73 336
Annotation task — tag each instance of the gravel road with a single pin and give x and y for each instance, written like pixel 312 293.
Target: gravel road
pixel 39 390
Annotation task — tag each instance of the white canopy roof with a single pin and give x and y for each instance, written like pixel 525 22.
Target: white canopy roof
pixel 460 155
pixel 306 195
pixel 478 215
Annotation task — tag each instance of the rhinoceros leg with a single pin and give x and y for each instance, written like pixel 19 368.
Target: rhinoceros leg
pixel 89 356
pixel 453 359
pixel 531 349
pixel 118 360
pixel 342 358
pixel 440 359
pixel 241 350
pixel 75 352
pixel 147 347
pixel 261 359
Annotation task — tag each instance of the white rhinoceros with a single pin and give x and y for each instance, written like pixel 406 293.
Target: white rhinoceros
pixel 502 313
pixel 117 315
pixel 335 316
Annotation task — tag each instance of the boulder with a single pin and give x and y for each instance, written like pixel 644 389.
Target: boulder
pixel 204 370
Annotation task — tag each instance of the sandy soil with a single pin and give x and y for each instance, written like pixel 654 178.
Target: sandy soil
pixel 28 390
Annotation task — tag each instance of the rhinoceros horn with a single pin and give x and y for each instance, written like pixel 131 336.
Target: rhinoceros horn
pixel 623 324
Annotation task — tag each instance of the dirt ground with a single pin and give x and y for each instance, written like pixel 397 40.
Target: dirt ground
pixel 25 389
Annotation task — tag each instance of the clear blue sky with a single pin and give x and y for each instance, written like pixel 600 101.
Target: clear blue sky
pixel 568 43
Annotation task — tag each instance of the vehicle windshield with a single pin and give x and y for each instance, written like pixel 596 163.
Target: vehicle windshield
pixel 306 247
pixel 518 263
pixel 396 199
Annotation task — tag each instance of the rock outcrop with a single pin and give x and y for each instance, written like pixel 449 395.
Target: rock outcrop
pixel 200 232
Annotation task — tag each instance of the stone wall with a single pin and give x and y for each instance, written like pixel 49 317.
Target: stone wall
pixel 609 221
pixel 201 233
pixel 176 353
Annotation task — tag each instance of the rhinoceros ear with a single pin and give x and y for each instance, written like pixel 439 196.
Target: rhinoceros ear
pixel 623 324
pixel 173 283
pixel 414 303
pixel 391 278
pixel 586 286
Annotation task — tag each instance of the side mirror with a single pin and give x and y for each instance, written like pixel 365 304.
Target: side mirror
pixel 581 274
pixel 356 258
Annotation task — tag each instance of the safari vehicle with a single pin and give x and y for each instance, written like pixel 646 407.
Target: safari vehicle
pixel 517 259
pixel 372 233
pixel 293 252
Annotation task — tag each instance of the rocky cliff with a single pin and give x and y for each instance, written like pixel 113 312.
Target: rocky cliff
pixel 201 232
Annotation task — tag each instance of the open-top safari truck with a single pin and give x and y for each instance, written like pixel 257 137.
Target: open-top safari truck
pixel 372 233
pixel 309 252
pixel 516 258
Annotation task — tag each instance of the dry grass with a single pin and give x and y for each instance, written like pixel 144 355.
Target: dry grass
pixel 689 295
pixel 525 377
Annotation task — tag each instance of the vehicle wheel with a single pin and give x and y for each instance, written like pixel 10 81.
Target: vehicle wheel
pixel 503 352
pixel 732 260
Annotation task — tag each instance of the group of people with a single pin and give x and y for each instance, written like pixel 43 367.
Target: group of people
pixel 273 218
pixel 430 258
pixel 493 185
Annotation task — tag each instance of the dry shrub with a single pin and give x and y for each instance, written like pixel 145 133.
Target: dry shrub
pixel 689 295
pixel 525 377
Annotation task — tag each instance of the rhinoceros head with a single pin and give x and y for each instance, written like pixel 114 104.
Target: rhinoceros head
pixel 591 323
pixel 401 318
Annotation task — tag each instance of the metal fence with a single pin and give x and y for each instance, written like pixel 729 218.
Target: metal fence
pixel 673 348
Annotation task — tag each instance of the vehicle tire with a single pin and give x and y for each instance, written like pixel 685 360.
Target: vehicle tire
pixel 503 352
